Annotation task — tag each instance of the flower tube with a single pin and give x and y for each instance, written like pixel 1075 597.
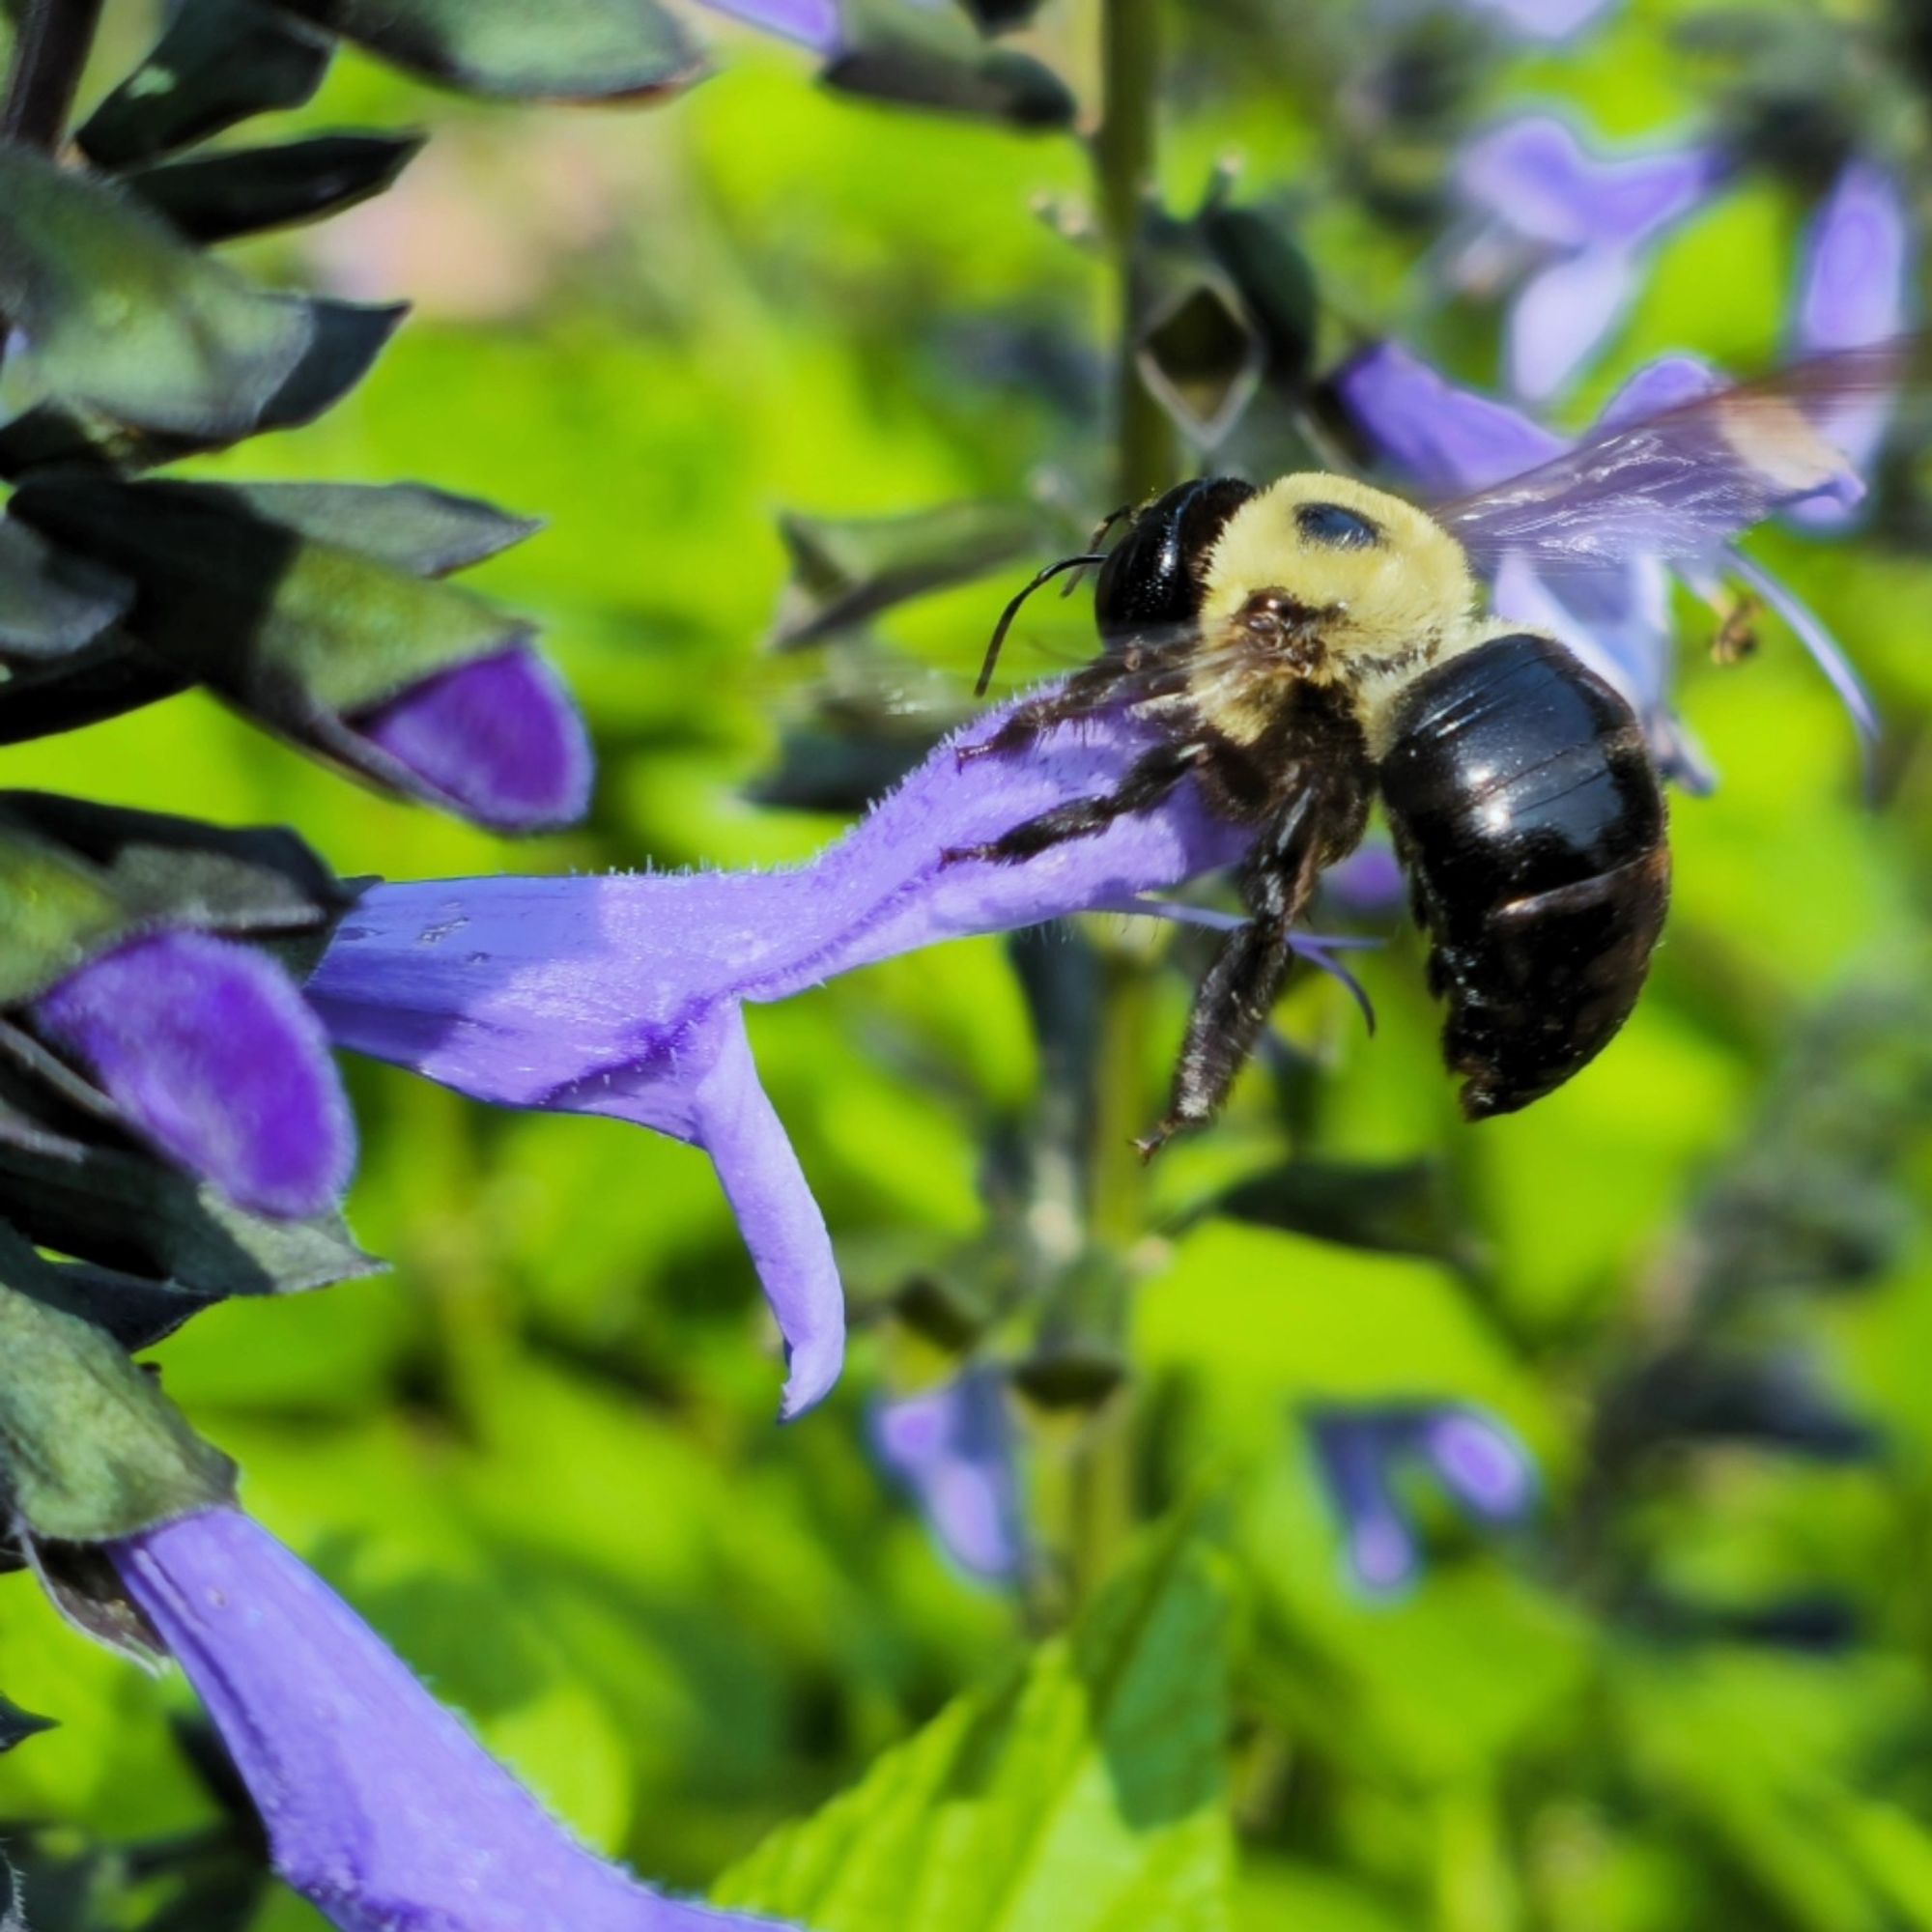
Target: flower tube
pixel 381 1809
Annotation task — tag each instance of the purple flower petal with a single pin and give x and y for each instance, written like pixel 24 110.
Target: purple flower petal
pixel 381 1809
pixel 812 24
pixel 1351 1452
pixel 1562 314
pixel 620 995
pixel 499 737
pixel 1853 293
pixel 707 1092
pixel 214 1057
pixel 1667 383
pixel 1812 633
pixel 1859 251
pixel 1534 178
pixel 1441 437
pixel 952 1448
pixel 1543 19
pixel 1480 1463
pixel 1368 884
pixel 1586 220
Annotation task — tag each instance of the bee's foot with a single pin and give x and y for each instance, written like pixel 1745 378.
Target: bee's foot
pixel 1150 1145
pixel 960 854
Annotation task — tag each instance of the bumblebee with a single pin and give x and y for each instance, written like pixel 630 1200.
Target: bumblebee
pixel 1307 650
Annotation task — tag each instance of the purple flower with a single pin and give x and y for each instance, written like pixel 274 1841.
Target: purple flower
pixel 812 24
pixel 1617 621
pixel 1572 231
pixel 214 1057
pixel 498 738
pixel 1541 19
pixel 1362 1453
pixel 624 995
pixel 381 1809
pixel 1853 292
pixel 952 1449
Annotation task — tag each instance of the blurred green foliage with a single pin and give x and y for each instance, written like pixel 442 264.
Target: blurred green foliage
pixel 539 1453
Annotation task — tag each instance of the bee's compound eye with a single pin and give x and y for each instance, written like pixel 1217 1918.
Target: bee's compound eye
pixel 1341 529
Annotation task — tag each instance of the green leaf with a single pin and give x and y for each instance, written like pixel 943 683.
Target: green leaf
pixel 15 1725
pixel 563 50
pixel 244 190
pixel 90 1448
pixel 77 877
pixel 1086 1794
pixel 121 314
pixel 922 57
pixel 845 571
pixel 136 1312
pixel 217 63
pixel 426 532
pixel 54 913
pixel 302 635
pixel 133 1215
pixel 51 603
pixel 345 340
pixel 1396 1207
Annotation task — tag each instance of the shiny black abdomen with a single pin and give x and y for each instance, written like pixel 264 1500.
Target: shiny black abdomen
pixel 1152 578
pixel 1527 812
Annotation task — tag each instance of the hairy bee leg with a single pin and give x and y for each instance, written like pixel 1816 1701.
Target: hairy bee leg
pixel 1075 699
pixel 1239 991
pixel 1146 783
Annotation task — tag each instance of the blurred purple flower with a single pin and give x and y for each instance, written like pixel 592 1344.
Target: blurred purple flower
pixel 1361 1452
pixel 1542 19
pixel 381 1809
pixel 1618 621
pixel 951 1450
pixel 812 24
pixel 1369 884
pixel 624 995
pixel 499 737
pixel 1570 231
pixel 1854 286
pixel 215 1058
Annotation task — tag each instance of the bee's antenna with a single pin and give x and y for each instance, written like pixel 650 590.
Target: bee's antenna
pixel 1013 610
pixel 1095 542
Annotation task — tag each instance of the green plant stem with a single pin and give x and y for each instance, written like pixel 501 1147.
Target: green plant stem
pixel 1123 152
pixel 1100 1485
pixel 53 41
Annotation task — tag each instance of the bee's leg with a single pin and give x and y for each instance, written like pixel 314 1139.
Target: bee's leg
pixel 1239 988
pixel 1077 697
pixel 1151 778
pixel 1157 685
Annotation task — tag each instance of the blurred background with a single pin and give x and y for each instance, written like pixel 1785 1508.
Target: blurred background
pixel 1692 1685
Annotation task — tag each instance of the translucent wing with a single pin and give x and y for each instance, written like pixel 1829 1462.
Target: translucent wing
pixel 1680 485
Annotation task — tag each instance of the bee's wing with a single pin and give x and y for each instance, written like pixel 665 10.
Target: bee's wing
pixel 1680 485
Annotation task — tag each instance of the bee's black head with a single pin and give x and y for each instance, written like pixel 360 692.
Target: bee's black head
pixel 1156 575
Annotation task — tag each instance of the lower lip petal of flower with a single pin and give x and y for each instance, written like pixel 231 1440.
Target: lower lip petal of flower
pixel 707 1092
pixel 214 1057
pixel 1562 314
pixel 620 995
pixel 380 1806
pixel 499 737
